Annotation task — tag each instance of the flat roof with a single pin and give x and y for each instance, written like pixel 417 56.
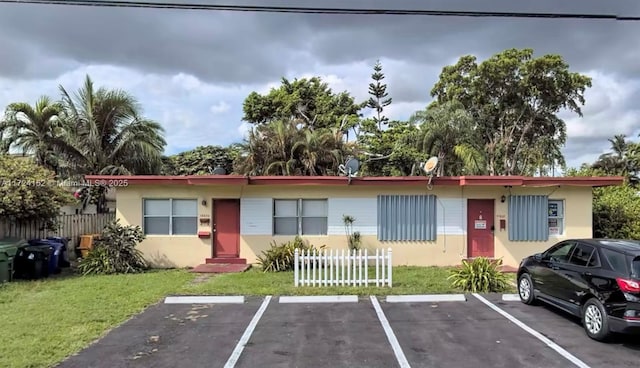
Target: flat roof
pixel 513 181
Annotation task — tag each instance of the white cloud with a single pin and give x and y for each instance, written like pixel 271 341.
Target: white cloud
pixel 610 109
pixel 606 109
pixel 243 129
pixel 220 108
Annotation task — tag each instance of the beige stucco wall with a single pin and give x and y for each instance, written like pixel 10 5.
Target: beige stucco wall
pixel 188 251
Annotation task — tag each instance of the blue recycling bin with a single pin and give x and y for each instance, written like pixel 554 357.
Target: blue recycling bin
pixel 63 260
pixel 54 254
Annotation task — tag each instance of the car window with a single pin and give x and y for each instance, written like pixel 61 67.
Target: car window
pixel 636 267
pixel 617 261
pixel 584 255
pixel 561 252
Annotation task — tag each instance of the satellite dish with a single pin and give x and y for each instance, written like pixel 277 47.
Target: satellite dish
pixel 430 165
pixel 219 170
pixel 352 166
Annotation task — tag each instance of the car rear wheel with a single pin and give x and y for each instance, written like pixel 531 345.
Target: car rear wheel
pixel 525 289
pixel 594 320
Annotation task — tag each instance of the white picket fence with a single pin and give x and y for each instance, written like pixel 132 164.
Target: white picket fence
pixel 329 267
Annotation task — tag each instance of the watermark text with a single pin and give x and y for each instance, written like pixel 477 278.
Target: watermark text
pixel 62 183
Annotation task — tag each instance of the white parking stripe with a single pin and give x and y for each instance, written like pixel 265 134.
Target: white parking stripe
pixel 319 299
pixel 433 298
pixel 235 355
pixel 395 345
pixel 572 358
pixel 204 300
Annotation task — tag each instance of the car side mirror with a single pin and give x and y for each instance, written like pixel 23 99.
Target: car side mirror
pixel 538 257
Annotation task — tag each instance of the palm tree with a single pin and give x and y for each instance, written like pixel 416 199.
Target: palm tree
pixel 320 152
pixel 104 133
pixel 286 148
pixel 619 145
pixel 447 131
pixel 33 128
pixel 616 162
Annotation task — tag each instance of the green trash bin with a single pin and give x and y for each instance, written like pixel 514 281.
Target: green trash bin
pixel 8 249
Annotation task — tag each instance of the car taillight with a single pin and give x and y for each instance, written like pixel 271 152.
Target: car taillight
pixel 628 286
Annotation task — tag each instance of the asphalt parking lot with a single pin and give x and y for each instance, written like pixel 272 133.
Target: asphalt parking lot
pixel 482 331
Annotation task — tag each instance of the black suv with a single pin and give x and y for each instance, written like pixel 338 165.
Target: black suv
pixel 597 280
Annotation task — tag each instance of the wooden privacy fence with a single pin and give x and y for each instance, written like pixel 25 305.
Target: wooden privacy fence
pixel 71 226
pixel 329 267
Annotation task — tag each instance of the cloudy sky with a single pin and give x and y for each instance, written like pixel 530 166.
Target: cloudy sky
pixel 191 70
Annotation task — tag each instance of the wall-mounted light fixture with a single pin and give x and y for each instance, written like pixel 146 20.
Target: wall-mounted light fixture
pixel 503 198
pixel 204 202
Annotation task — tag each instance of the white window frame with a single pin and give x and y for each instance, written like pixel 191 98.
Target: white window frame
pixel 171 215
pixel 299 216
pixel 560 218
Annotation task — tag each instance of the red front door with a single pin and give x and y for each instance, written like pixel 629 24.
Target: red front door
pixel 226 228
pixel 480 228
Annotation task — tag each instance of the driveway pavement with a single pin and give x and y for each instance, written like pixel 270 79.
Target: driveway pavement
pixel 483 331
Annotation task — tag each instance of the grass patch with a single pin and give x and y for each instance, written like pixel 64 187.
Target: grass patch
pixel 45 321
pixel 407 280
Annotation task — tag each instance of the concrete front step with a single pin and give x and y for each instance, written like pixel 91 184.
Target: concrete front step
pixel 225 260
pixel 220 268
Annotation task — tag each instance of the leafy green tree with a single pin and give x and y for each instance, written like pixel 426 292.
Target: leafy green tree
pixel 514 100
pixel 384 152
pixel 32 129
pixel 200 161
pixel 379 97
pixel 616 209
pixel 615 212
pixel 309 102
pixel 28 192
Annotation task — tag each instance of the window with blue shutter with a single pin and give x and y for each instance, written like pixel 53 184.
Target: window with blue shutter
pixel 528 218
pixel 407 218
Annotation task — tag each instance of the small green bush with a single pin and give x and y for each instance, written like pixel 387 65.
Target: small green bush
pixel 482 275
pixel 114 252
pixel 281 257
pixel 354 240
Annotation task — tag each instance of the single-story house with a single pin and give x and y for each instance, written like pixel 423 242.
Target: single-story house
pixel 190 219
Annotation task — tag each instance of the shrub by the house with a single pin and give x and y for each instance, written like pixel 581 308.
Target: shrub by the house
pixel 481 275
pixel 281 257
pixel 115 252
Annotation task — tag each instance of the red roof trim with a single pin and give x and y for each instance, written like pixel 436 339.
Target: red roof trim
pixel 341 180
pixel 167 180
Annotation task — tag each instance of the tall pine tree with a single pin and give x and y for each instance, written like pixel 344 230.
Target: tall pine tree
pixel 379 97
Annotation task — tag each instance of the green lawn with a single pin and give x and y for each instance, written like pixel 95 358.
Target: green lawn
pixel 45 321
pixel 406 280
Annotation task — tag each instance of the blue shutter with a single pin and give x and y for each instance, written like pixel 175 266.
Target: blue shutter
pixel 528 218
pixel 407 218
